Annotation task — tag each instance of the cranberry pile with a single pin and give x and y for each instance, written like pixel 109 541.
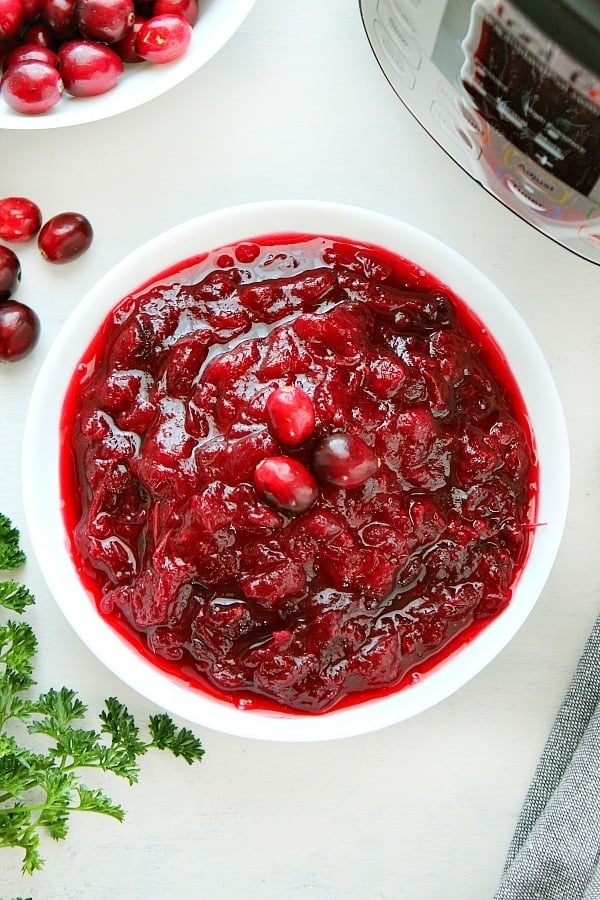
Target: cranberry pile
pixel 61 239
pixel 294 470
pixel 80 46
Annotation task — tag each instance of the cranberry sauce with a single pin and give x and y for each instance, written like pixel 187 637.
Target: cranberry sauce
pixel 303 548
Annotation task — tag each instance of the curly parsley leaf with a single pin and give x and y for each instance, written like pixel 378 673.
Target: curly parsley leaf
pixel 11 555
pixel 40 789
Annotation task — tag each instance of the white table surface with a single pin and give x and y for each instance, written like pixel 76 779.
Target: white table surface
pixel 296 106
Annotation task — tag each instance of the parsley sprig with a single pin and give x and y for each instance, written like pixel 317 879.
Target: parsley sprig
pixel 39 790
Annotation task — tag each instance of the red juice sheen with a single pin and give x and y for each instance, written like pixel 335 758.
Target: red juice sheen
pixel 164 422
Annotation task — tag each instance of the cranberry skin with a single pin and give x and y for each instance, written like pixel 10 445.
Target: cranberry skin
pixel 40 34
pixel 285 484
pixel 10 272
pixel 126 46
pixel 344 460
pixel 163 38
pixel 291 415
pixel 65 237
pixel 31 10
pixel 30 53
pixel 19 330
pixel 104 20
pixel 59 16
pixel 20 219
pixel 12 18
pixel 186 8
pixel 88 68
pixel 31 87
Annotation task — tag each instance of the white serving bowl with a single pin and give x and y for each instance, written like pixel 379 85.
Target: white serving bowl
pixel 41 464
pixel 218 21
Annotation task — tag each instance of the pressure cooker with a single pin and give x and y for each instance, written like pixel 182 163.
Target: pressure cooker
pixel 511 91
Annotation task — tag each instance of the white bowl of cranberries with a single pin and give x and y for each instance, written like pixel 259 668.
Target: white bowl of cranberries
pixel 66 62
pixel 295 471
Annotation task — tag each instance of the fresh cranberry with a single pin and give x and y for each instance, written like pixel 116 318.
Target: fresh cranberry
pixel 19 330
pixel 291 415
pixel 88 68
pixel 104 20
pixel 31 10
pixel 286 484
pixel 10 272
pixel 344 460
pixel 59 16
pixel 30 53
pixel 20 219
pixel 163 38
pixel 39 33
pixel 12 18
pixel 186 8
pixel 126 46
pixel 31 87
pixel 65 237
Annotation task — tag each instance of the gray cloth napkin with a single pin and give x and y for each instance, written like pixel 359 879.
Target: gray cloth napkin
pixel 555 850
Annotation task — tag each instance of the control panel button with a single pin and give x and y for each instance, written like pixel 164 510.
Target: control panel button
pixel 398 34
pixel 401 65
pixel 444 118
pixel 536 176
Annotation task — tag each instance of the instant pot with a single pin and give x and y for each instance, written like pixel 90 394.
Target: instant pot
pixel 511 91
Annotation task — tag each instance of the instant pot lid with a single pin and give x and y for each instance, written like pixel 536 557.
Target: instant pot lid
pixel 572 24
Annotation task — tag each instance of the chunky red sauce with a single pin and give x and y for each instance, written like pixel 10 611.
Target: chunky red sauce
pixel 164 424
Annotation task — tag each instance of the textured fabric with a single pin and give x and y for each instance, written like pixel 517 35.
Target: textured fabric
pixel 555 850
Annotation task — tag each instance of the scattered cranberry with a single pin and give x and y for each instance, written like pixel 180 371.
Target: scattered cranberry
pixel 20 219
pixel 10 272
pixel 65 237
pixel 344 460
pixel 12 18
pixel 104 20
pixel 163 38
pixel 88 68
pixel 30 53
pixel 291 415
pixel 19 330
pixel 31 87
pixel 285 484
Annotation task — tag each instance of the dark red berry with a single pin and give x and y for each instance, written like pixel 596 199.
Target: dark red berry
pixel 30 53
pixel 31 10
pixel 104 20
pixel 126 46
pixel 19 330
pixel 39 33
pixel 285 484
pixel 20 219
pixel 12 18
pixel 59 16
pixel 31 87
pixel 163 38
pixel 186 8
pixel 88 68
pixel 291 415
pixel 344 460
pixel 65 237
pixel 10 272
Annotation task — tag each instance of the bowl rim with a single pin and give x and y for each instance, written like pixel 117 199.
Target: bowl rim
pixel 242 222
pixel 215 26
